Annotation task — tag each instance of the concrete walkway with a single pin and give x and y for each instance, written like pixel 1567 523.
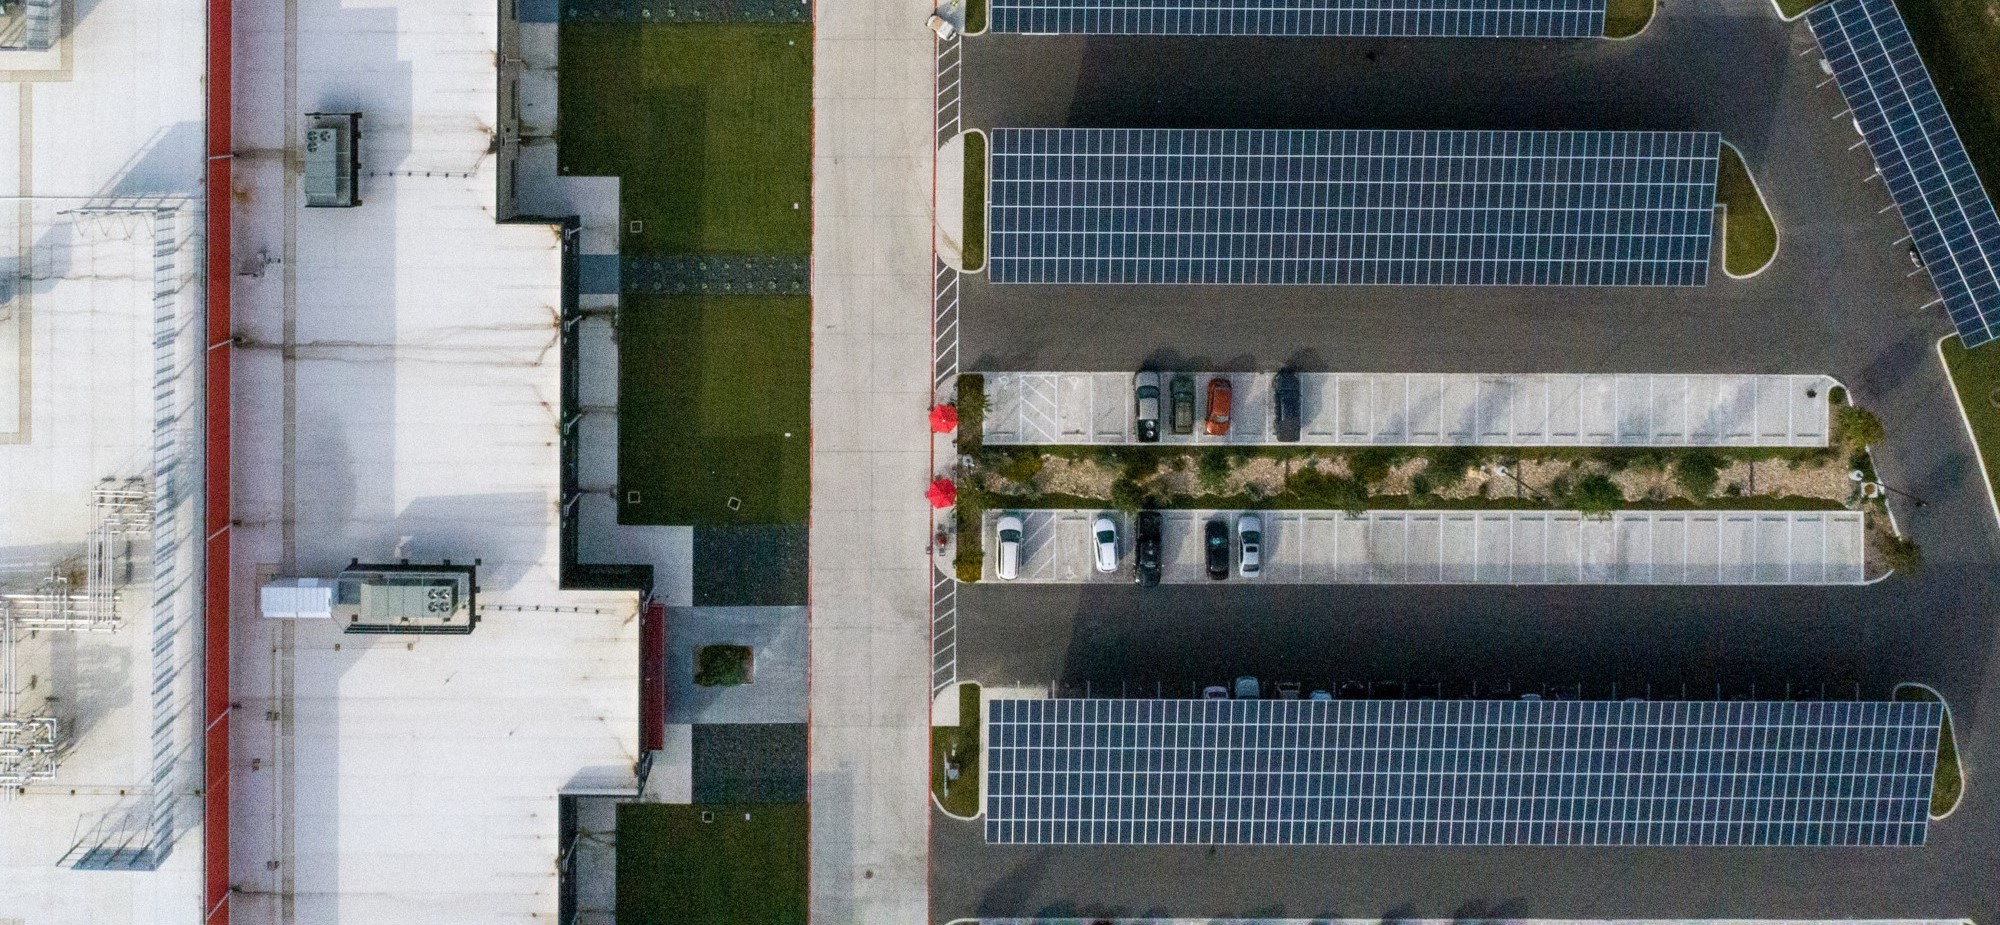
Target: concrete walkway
pixel 871 384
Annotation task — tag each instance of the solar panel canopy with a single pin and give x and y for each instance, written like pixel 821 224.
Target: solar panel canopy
pixel 1922 161
pixel 1547 19
pixel 1277 772
pixel 1224 206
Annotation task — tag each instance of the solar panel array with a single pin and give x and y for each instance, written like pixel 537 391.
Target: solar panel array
pixel 1547 19
pixel 1201 206
pixel 1443 772
pixel 1920 156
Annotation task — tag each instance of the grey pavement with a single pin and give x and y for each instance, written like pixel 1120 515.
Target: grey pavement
pixel 1426 409
pixel 1463 547
pixel 777 640
pixel 869 588
pixel 1839 299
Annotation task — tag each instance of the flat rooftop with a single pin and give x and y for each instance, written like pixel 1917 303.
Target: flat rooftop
pixel 397 388
pixel 100 249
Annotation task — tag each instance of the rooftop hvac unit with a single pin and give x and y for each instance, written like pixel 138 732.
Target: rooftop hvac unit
pixel 333 166
pixel 297 599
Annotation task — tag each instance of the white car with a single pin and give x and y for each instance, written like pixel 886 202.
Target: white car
pixel 1104 541
pixel 942 27
pixel 1008 563
pixel 1250 545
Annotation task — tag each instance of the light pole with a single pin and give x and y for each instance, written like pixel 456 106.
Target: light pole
pixel 1498 469
pixel 1870 489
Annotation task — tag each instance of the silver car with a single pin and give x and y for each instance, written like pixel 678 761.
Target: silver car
pixel 1008 563
pixel 1250 545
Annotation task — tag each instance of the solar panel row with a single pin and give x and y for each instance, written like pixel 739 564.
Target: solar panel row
pixel 1459 772
pixel 1922 161
pixel 1351 207
pixel 1353 18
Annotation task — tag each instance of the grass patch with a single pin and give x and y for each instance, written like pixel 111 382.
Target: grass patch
pixel 970 400
pixel 674 868
pixel 708 126
pixel 1750 237
pixel 975 201
pixel 1960 44
pixel 708 389
pixel 1626 18
pixel 1791 8
pixel 961 743
pixel 975 16
pixel 1976 376
pixel 1950 782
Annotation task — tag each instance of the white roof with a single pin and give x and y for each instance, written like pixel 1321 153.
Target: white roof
pixel 100 173
pixel 407 779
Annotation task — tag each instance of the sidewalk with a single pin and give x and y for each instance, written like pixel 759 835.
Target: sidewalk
pixel 870 647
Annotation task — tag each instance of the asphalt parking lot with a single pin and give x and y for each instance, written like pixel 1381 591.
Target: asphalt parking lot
pixel 1840 300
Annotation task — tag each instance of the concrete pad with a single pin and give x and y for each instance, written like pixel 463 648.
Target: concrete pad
pixel 777 640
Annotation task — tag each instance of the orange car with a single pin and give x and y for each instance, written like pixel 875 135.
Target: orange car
pixel 1217 424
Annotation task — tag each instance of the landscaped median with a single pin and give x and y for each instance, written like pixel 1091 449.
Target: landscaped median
pixel 1593 481
pixel 955 753
pixel 1749 234
pixel 1624 19
pixel 1950 780
pixel 1975 375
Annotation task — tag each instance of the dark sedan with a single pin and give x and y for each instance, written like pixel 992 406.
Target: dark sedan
pixel 1285 408
pixel 1146 552
pixel 1216 540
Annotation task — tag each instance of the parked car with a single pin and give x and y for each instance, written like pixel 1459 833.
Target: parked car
pixel 1426 690
pixel 1009 560
pixel 1247 688
pixel 1180 393
pixel 1386 690
pixel 1286 409
pixel 1217 423
pixel 1146 552
pixel 1216 542
pixel 1146 393
pixel 942 26
pixel 1319 695
pixel 1215 692
pixel 1288 690
pixel 1250 545
pixel 1104 541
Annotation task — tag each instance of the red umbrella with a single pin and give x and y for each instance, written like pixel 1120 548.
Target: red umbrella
pixel 943 493
pixel 944 419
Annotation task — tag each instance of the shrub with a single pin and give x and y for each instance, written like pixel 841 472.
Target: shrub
pixel 1856 427
pixel 1596 494
pixel 1901 554
pixel 1212 469
pixel 1698 471
pixel 1314 489
pixel 1450 464
pixel 1420 485
pixel 722 666
pixel 1022 467
pixel 1126 496
pixel 971 405
pixel 1373 464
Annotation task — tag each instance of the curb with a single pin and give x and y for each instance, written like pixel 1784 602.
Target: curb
pixel 1970 434
pixel 1962 783
pixel 1777 234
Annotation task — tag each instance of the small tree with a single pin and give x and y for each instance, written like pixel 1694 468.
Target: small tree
pixel 971 405
pixel 1212 469
pixel 1596 494
pixel 1698 471
pixel 1126 496
pixel 1856 427
pixel 1901 554
pixel 722 666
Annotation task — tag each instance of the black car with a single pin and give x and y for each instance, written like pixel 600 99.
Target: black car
pixel 1216 540
pixel 1285 406
pixel 1353 690
pixel 1147 551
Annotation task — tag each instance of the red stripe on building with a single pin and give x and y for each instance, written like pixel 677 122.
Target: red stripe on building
pixel 215 519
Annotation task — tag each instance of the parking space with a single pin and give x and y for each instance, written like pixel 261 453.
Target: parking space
pixel 1468 547
pixel 1389 409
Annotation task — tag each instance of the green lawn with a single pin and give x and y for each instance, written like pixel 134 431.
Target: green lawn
pixel 708 389
pixel 1960 44
pixel 962 741
pixel 709 128
pixel 1950 781
pixel 675 869
pixel 1626 18
pixel 1750 237
pixel 1976 376
pixel 975 16
pixel 975 200
pixel 1795 7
